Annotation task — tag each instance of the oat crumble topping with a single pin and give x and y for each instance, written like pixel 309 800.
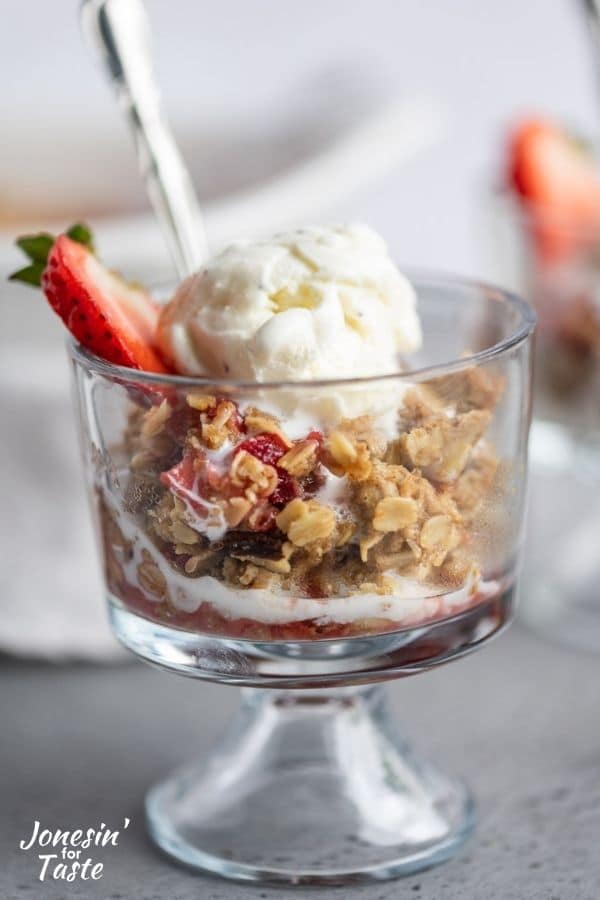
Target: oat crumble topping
pixel 409 507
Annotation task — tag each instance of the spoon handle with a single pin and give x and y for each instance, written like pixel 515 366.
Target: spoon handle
pixel 118 30
pixel 591 9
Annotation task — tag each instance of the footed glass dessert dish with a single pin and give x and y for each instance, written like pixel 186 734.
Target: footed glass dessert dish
pixel 556 264
pixel 306 540
pixel 544 216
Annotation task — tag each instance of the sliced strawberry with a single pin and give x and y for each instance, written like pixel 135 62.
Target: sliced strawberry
pixel 109 317
pixel 287 488
pixel 181 478
pixel 113 320
pixel 559 181
pixel 267 447
pixel 194 479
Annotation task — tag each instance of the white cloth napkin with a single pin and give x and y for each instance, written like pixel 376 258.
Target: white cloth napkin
pixel 50 599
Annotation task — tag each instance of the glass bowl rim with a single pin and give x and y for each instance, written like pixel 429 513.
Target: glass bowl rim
pixel 524 329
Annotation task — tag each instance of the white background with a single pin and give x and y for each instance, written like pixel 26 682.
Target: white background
pixel 247 70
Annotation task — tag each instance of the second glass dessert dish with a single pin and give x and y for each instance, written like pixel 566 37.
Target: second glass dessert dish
pixel 546 220
pixel 307 537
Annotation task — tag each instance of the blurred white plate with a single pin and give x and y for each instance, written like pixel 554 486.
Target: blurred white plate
pixel 309 189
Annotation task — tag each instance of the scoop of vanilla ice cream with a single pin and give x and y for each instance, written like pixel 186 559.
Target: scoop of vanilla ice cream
pixel 317 302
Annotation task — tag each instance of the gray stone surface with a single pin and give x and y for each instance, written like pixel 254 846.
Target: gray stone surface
pixel 519 720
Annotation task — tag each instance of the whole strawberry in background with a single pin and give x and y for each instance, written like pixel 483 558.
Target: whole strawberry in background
pixel 113 319
pixel 557 179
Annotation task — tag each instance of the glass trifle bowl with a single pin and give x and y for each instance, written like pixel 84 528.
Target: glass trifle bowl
pixel 557 265
pixel 307 564
pixel 543 216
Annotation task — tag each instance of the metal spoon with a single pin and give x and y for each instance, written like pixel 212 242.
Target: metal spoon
pixel 119 31
pixel 591 10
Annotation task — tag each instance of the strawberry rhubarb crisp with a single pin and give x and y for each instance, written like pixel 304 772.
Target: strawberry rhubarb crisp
pixel 294 484
pixel 555 179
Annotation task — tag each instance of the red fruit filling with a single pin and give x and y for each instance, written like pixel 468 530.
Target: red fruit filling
pixel 269 448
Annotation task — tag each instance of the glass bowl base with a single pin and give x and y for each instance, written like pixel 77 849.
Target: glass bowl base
pixel 310 787
pixel 315 663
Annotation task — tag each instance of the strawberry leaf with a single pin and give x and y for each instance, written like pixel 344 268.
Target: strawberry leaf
pixel 36 248
pixel 29 275
pixel 81 233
